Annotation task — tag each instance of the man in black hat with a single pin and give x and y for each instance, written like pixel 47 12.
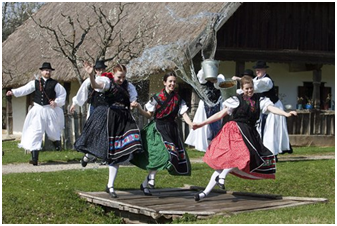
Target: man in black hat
pixel 46 116
pixel 272 128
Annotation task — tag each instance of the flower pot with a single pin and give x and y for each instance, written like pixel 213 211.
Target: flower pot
pixel 299 106
pixel 308 106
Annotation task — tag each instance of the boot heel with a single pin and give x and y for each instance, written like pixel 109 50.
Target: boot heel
pixel 35 158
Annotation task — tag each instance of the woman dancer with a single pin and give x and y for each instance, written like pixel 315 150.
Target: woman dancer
pixel 238 148
pixel 160 138
pixel 111 132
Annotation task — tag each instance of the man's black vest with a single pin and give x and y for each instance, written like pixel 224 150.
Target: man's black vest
pixel 44 91
pixel 271 94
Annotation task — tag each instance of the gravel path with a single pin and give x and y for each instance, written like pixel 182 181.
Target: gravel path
pixel 50 167
pixel 46 167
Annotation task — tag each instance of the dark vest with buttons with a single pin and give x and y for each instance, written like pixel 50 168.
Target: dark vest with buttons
pixel 117 94
pixel 91 95
pixel 271 94
pixel 48 91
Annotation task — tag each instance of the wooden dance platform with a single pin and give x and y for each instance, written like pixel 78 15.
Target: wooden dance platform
pixel 167 204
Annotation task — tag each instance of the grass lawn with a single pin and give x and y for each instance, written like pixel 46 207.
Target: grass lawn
pixel 50 198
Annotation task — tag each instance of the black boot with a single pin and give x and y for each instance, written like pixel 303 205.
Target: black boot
pixel 57 145
pixel 35 157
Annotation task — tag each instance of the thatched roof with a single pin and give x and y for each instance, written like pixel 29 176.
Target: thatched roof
pixel 179 25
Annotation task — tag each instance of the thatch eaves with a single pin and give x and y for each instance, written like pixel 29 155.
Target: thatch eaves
pixel 178 25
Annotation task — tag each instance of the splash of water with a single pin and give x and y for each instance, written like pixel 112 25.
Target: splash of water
pixel 176 56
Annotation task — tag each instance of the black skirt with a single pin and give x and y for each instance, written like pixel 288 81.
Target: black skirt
pixel 110 134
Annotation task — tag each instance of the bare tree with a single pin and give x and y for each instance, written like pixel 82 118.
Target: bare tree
pixel 127 47
pixel 105 35
pixel 68 45
pixel 14 14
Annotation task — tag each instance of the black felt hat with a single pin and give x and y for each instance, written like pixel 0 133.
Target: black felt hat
pixel 260 64
pixel 46 65
pixel 249 73
pixel 100 64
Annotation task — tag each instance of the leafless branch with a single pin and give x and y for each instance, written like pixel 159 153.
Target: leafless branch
pixel 66 45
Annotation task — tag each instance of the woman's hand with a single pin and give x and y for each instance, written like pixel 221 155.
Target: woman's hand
pixel 72 109
pixel 196 125
pixel 52 104
pixel 88 67
pixel 236 78
pixel 135 104
pixel 290 113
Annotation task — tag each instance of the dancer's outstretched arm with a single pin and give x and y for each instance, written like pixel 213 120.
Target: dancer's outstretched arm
pixel 211 119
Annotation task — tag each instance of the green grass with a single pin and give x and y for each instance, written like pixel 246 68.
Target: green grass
pixel 311 151
pixel 51 198
pixel 12 154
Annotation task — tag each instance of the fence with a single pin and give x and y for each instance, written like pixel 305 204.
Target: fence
pixel 307 122
pixel 312 122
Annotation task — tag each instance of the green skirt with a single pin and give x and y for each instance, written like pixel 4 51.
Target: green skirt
pixel 163 149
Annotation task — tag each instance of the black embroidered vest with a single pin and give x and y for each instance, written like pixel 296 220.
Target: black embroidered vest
pixel 44 91
pixel 271 94
pixel 248 111
pixel 116 95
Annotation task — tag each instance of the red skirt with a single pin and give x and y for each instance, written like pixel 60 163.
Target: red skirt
pixel 229 150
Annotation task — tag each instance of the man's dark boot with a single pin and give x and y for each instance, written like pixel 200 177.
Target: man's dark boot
pixel 35 158
pixel 57 145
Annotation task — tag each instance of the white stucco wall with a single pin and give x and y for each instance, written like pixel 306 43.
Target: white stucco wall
pixel 19 113
pixel 286 81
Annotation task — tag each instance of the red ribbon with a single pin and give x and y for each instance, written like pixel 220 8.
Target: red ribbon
pixel 108 74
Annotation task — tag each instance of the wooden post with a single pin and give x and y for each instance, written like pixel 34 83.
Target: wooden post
pixel 9 114
pixel 317 78
pixel 67 133
pixel 239 69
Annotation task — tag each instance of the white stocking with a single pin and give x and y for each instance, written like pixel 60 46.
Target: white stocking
pixel 112 176
pixel 211 184
pixel 151 176
pixel 87 157
pixel 223 175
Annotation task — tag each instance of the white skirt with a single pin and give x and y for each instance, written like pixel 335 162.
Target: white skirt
pixel 275 135
pixel 40 120
pixel 198 138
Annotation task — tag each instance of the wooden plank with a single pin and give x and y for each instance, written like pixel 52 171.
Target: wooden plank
pixel 267 196
pixel 105 200
pixel 305 199
pixel 173 203
pixel 274 207
pixel 268 204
